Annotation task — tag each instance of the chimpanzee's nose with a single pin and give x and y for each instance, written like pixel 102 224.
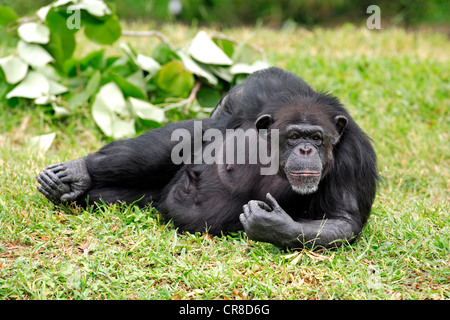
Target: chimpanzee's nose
pixel 306 150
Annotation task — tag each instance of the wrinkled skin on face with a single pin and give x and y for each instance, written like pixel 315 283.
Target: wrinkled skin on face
pixel 306 150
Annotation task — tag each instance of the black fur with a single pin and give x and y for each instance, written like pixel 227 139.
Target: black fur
pixel 199 197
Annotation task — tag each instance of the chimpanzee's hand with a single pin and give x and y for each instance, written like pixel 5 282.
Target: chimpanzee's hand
pixel 266 223
pixel 65 181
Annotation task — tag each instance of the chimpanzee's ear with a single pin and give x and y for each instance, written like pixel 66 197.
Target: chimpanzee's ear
pixel 341 123
pixel 263 122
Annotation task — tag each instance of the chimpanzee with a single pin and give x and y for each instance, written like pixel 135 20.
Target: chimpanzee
pixel 320 194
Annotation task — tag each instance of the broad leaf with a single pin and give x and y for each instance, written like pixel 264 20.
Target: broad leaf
pixel 174 79
pixel 247 68
pixel 42 142
pixel 33 54
pixel 57 22
pixel 61 47
pixel 163 53
pixel 128 88
pixel 7 15
pixel 95 7
pixel 111 114
pixel 34 32
pixel 222 73
pixel 42 12
pixel 146 110
pixel 144 62
pixel 14 68
pixel 138 80
pixel 82 97
pixel 225 45
pixel 197 69
pixel 62 2
pixel 60 111
pixel 203 49
pixel 104 32
pixel 208 97
pixel 123 66
pixel 147 63
pixel 44 99
pixel 244 53
pixel 34 85
pixel 95 59
pixel 56 88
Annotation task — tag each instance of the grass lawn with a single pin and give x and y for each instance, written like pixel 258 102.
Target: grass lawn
pixel 396 86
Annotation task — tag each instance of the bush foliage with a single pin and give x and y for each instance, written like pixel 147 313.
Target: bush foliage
pixel 121 89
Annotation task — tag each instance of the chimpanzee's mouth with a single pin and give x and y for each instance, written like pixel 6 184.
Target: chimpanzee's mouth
pixel 304 173
pixel 304 181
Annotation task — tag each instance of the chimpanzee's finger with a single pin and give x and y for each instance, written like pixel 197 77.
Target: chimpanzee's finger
pixel 272 202
pixel 246 211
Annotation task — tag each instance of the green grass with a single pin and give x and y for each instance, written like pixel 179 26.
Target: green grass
pixel 396 86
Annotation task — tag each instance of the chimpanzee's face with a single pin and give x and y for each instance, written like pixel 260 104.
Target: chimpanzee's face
pixel 306 146
pixel 303 156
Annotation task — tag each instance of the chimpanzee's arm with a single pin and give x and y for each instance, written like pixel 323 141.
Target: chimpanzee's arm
pixel 145 160
pixel 272 224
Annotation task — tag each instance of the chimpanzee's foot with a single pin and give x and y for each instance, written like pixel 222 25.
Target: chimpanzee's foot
pixel 66 181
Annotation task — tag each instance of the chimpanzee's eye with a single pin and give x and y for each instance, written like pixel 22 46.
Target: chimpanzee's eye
pixel 293 137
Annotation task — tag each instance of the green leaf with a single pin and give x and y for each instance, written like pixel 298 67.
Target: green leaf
pixel 203 49
pixel 197 68
pixel 225 45
pixel 128 88
pixel 61 47
pixel 245 54
pixel 208 97
pixel 14 68
pixel 7 15
pixel 103 32
pixel 174 79
pixel 95 59
pixel 34 85
pixel 145 63
pixel 57 22
pixel 123 66
pixel 146 110
pixel 111 114
pixel 34 32
pixel 222 73
pixel 62 39
pixel 163 53
pixel 33 54
pixel 138 80
pixel 82 97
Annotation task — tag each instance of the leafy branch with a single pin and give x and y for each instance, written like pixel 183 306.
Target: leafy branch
pixel 121 90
